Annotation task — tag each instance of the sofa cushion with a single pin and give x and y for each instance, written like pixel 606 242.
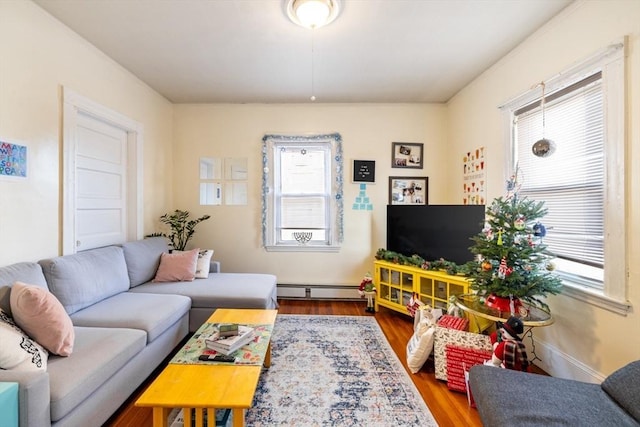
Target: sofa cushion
pixel 222 290
pixel 28 272
pixel 505 397
pixel 624 387
pixel 85 278
pixel 98 355
pixel 38 312
pixel 18 351
pixel 143 258
pixel 153 314
pixel 177 266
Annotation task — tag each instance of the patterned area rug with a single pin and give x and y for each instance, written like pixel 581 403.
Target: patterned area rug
pixel 335 371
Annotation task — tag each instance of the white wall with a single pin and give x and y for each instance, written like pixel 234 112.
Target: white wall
pixel 367 131
pixel 38 55
pixel 585 342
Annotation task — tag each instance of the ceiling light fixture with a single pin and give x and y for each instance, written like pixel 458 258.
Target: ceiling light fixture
pixel 312 13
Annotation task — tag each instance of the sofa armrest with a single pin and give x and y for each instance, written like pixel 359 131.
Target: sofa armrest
pixel 33 396
pixel 505 397
pixel 214 267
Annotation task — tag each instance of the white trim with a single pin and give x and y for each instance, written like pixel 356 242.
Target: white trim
pixel 611 61
pixel 302 248
pixel 592 297
pixel 72 105
pixel 575 73
pixel 561 365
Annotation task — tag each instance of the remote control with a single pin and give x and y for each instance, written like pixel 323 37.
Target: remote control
pixel 217 358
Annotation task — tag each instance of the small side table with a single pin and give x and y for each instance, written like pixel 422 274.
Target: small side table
pixel 531 316
pixel 8 404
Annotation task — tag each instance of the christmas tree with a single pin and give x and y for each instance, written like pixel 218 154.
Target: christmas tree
pixel 512 260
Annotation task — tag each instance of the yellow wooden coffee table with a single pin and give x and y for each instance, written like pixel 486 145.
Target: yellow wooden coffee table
pixel 205 387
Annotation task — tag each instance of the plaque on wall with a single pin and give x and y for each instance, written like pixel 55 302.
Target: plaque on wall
pixel 364 171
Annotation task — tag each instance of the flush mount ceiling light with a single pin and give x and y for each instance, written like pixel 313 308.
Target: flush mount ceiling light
pixel 312 13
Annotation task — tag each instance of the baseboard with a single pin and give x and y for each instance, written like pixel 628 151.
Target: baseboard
pixel 318 292
pixel 559 364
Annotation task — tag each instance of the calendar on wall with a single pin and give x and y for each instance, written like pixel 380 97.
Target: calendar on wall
pixel 474 190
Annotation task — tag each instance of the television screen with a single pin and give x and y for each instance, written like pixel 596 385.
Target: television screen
pixel 434 231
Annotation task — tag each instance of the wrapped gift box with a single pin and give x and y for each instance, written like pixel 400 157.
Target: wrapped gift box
pixel 444 336
pixel 453 322
pixel 459 360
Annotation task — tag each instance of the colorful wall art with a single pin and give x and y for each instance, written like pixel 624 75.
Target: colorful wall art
pixel 13 160
pixel 474 190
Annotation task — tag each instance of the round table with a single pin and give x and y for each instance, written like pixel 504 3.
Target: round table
pixel 531 316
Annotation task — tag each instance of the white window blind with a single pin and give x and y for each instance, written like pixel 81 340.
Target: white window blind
pixel 571 181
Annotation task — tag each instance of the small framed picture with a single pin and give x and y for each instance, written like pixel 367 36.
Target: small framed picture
pixel 406 155
pixel 364 171
pixel 408 190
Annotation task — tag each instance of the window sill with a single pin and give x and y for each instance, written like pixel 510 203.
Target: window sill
pixel 595 298
pixel 302 248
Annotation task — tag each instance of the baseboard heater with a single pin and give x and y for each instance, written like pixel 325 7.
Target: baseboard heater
pixel 306 291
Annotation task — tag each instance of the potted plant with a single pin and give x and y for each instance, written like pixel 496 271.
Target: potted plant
pixel 512 261
pixel 182 228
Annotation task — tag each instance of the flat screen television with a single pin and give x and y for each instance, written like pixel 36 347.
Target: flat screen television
pixel 434 231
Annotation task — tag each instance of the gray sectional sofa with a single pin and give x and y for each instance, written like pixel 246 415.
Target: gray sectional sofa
pixel 124 326
pixel 512 398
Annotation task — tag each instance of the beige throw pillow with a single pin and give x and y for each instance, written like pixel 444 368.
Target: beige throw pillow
pixel 19 352
pixel 39 313
pixel 177 266
pixel 203 265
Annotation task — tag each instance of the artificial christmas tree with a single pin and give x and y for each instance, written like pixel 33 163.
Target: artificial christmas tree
pixel 512 261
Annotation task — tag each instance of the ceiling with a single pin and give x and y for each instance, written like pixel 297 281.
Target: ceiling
pixel 247 51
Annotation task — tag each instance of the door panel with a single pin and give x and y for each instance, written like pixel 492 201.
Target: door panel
pixel 101 177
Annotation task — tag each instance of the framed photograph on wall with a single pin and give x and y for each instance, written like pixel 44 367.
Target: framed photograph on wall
pixel 407 155
pixel 408 190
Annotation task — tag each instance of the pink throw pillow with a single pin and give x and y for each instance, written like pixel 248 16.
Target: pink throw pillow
pixel 39 313
pixel 177 267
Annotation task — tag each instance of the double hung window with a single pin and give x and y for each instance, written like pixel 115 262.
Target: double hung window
pixel 302 192
pixel 582 181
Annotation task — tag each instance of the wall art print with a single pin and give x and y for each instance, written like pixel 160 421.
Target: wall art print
pixel 474 189
pixel 13 160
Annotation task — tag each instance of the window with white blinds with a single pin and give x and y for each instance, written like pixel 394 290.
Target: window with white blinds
pixel 303 192
pixel 570 181
pixel 583 183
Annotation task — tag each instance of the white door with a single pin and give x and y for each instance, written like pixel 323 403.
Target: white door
pixel 101 183
pixel 102 179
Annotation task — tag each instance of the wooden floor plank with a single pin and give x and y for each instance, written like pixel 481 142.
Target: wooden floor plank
pixel 448 408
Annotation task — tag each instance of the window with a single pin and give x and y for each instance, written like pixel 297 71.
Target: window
pixel 582 182
pixel 302 192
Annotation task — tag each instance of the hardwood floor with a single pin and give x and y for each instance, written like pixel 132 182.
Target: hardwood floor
pixel 449 408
